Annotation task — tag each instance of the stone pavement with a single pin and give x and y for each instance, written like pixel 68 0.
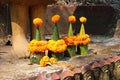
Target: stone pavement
pixel 12 68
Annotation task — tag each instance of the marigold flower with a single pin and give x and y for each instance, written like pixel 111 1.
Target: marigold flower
pixel 72 19
pixel 38 22
pixel 57 46
pixel 37 46
pixel 82 39
pixel 42 63
pixel 46 58
pixel 55 18
pixel 69 40
pixel 83 19
pixel 53 60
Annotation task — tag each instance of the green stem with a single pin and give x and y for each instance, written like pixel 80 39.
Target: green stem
pixel 37 36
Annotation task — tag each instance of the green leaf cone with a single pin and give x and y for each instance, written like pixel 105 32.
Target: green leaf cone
pixel 55 35
pixel 35 58
pixel 83 48
pixel 70 31
pixel 71 49
pixel 82 30
pixel 58 56
pixel 37 36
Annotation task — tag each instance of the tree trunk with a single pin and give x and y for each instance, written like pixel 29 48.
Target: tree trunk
pixel 19 16
pixel 37 11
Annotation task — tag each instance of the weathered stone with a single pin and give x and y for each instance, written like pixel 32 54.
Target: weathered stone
pixel 88 75
pixel 78 76
pixel 111 69
pixel 96 73
pixel 66 75
pixel 116 71
pixel 68 78
pixel 104 74
pixel 117 30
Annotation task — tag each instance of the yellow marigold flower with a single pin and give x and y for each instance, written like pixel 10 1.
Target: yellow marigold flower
pixel 46 58
pixel 55 18
pixel 60 42
pixel 32 49
pixel 53 60
pixel 42 63
pixel 72 19
pixel 37 46
pixel 57 46
pixel 37 22
pixel 83 19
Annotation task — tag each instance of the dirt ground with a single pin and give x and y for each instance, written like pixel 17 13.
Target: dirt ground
pixel 12 68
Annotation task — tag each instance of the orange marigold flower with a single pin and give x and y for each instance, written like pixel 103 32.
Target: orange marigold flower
pixel 72 19
pixel 55 18
pixel 83 19
pixel 69 40
pixel 38 22
pixel 82 39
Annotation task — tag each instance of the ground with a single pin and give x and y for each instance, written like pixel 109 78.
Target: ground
pixel 12 68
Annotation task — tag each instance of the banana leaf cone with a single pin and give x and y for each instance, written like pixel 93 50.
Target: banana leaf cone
pixel 83 48
pixel 35 58
pixel 55 36
pixel 58 56
pixel 71 49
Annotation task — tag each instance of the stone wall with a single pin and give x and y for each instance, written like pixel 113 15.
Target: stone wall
pixel 97 68
pixel 101 18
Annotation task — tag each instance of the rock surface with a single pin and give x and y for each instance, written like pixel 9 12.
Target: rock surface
pixel 12 68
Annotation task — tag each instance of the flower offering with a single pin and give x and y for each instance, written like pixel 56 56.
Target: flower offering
pixel 82 39
pixel 37 47
pixel 69 40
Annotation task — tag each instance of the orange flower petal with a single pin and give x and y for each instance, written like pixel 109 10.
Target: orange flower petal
pixel 83 19
pixel 37 22
pixel 72 19
pixel 55 18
